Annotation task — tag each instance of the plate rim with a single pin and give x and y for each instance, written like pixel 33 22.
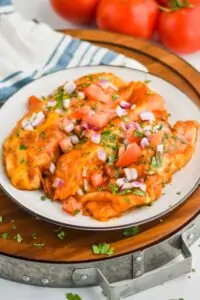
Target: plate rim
pixel 108 228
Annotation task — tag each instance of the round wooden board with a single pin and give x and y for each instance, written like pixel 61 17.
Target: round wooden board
pixel 76 246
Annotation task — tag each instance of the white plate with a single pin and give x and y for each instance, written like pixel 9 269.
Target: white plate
pixel 184 181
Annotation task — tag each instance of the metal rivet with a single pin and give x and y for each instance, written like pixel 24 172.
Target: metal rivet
pixel 139 259
pixel 84 277
pixel 138 273
pixel 190 236
pixel 26 278
pixel 45 281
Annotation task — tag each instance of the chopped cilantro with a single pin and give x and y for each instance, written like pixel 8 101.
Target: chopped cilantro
pixel 18 238
pixel 91 78
pixel 22 147
pixel 4 235
pixel 138 192
pixel 39 245
pixel 137 133
pixel 179 139
pixel 115 97
pixel 178 193
pixel 125 192
pixel 147 81
pixel 34 235
pixel 113 187
pixel 76 211
pixel 102 248
pixel 101 188
pixel 43 135
pixel 1 219
pixel 71 296
pixel 43 198
pixel 193 270
pixel 23 161
pixel 160 127
pixel 156 162
pixel 112 158
pixel 83 140
pixel 127 200
pixel 59 97
pixel 61 235
pixel 131 231
pixel 126 118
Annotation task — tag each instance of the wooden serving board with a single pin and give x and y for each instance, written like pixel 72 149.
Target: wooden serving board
pixel 76 246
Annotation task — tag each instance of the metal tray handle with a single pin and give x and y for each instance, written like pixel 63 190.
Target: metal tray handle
pixel 116 291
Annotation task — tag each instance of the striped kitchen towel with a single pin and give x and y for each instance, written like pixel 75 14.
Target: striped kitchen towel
pixel 29 50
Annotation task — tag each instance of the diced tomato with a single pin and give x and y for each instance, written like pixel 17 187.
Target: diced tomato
pixel 97 179
pixel 131 137
pixel 139 92
pixel 131 155
pixel 71 206
pixel 33 101
pixel 156 139
pixel 65 144
pixel 95 92
pixel 127 91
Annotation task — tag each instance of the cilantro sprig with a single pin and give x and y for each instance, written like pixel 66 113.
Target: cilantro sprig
pixel 102 248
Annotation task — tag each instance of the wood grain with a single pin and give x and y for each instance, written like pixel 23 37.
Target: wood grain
pixel 76 246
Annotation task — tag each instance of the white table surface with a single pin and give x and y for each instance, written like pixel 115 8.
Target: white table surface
pixel 186 287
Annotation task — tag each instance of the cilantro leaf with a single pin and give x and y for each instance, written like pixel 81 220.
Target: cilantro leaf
pixel 137 133
pixel 138 192
pixel 71 296
pixel 113 187
pixel 131 231
pixel 22 147
pixel 43 198
pixel 102 248
pixel 115 97
pixel 39 245
pixel 4 235
pixel 18 238
pixel 61 235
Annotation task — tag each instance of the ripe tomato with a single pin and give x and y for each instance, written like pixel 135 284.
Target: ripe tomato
pixel 77 11
pixel 179 29
pixel 131 155
pixel 134 17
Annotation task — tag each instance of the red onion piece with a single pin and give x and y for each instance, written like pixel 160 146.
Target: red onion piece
pixel 120 111
pixel 96 138
pixel 137 126
pixel 27 125
pixel 140 185
pixel 69 127
pixel 74 139
pixel 121 181
pixel 147 128
pixel 51 103
pixel 102 155
pixel 125 104
pixel 144 142
pixel 39 119
pixel 127 186
pixel 52 168
pixel 131 173
pixel 58 183
pixel 66 103
pixel 69 87
pixel 128 126
pixel 123 126
pixel 147 116
pixel 81 95
pixel 160 148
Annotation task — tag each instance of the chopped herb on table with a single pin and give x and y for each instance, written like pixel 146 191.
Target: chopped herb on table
pixel 34 235
pixel 102 248
pixel 1 219
pixel 178 193
pixel 131 231
pixel 43 198
pixel 61 235
pixel 147 81
pixel 71 296
pixel 39 245
pixel 18 238
pixel 4 235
